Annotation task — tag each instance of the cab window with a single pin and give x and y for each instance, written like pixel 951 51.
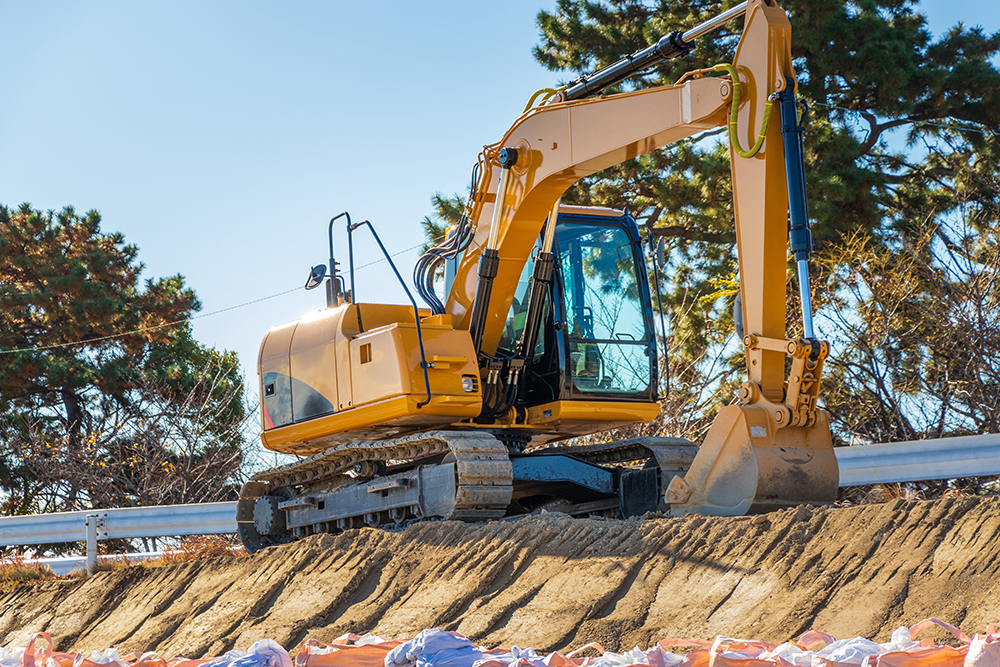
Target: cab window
pixel 607 339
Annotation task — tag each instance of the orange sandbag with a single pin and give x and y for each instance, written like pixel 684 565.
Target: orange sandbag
pixel 343 653
pixel 560 660
pixel 930 655
pixel 148 659
pixel 187 662
pixel 928 622
pixel 697 658
pixel 823 662
pixel 814 640
pixel 727 652
pixel 28 660
pixel 935 656
pixel 47 656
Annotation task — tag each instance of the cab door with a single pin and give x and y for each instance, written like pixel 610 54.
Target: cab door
pixel 606 319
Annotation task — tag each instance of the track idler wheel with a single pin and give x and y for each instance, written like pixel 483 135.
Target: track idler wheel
pixel 259 522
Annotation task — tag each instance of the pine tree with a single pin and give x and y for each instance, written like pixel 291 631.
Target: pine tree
pixel 86 348
pixel 901 131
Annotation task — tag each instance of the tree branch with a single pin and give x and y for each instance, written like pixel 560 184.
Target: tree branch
pixel 908 177
pixel 692 234
pixel 876 129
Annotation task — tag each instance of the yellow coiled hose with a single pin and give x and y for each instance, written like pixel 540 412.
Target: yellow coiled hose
pixel 734 113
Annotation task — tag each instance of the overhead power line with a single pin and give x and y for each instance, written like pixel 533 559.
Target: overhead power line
pixel 177 323
pixel 963 128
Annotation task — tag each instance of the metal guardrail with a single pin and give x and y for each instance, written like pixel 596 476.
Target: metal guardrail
pixel 126 522
pixel 945 458
pixel 92 525
pixel 920 460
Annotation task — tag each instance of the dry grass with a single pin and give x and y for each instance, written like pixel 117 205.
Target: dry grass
pixel 199 547
pixel 956 488
pixel 14 572
pixel 196 547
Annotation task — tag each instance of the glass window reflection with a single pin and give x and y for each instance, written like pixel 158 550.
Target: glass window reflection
pixel 605 320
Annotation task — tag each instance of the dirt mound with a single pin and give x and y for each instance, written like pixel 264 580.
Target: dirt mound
pixel 549 581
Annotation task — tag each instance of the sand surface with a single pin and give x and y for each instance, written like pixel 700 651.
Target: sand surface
pixel 551 582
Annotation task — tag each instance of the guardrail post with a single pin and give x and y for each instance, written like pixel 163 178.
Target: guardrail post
pixel 92 523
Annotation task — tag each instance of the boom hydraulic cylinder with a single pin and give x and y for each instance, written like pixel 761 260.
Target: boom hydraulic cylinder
pixel 489 262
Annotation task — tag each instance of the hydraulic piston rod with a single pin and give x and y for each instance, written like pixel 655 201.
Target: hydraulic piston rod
pixel 799 234
pixel 669 46
pixel 490 260
pixel 713 23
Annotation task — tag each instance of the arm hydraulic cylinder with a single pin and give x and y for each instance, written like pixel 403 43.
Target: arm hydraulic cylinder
pixel 669 46
pixel 799 234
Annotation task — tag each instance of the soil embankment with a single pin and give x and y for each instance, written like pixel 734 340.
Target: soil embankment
pixel 550 582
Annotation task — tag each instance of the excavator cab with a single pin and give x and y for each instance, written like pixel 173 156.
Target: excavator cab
pixel 596 333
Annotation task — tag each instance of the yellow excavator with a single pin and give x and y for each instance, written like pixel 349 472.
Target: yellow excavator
pixel 457 410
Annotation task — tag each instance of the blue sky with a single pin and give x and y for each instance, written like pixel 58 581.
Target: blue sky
pixel 220 137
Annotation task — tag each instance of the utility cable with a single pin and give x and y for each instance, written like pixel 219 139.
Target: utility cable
pixel 382 259
pixel 175 323
pixel 165 325
pixel 915 122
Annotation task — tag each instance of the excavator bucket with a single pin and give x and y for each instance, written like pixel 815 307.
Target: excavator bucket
pixel 747 466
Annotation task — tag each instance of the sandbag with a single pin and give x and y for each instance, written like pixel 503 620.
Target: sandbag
pixel 438 648
pixel 984 650
pixel 345 651
pixel 434 648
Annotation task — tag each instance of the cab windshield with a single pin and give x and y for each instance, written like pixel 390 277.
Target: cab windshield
pixel 607 338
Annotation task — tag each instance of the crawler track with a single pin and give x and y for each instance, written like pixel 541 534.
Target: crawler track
pixel 483 481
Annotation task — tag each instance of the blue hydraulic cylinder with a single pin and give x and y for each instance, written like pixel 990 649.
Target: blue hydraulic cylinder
pixel 799 234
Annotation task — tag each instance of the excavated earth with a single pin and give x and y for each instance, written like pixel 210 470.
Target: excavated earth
pixel 551 582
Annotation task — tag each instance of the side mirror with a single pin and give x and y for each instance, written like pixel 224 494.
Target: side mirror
pixel 316 276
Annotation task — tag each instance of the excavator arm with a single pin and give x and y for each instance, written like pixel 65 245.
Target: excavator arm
pixel 561 142
pixel 556 146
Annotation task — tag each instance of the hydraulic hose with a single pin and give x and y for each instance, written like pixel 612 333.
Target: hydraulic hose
pixel 734 137
pixel 547 92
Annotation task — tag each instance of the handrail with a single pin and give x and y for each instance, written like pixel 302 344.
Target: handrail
pixel 416 313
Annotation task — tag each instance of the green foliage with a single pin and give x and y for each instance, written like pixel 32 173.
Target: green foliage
pixel 447 212
pixel 875 58
pixel 85 342
pixel 66 281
